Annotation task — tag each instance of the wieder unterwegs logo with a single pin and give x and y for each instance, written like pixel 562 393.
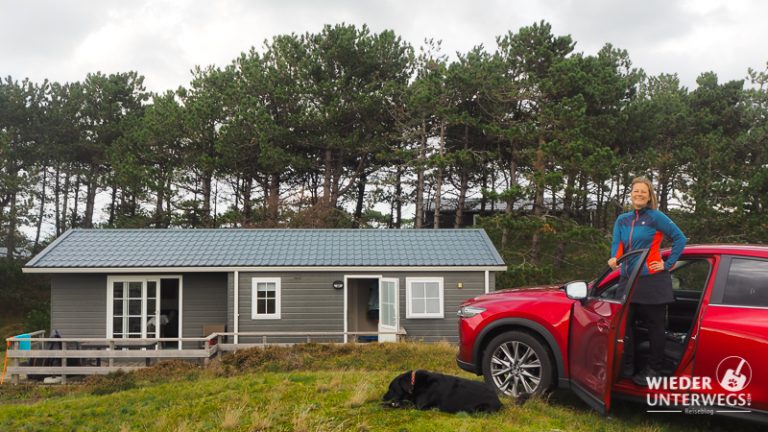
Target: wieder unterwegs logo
pixel 724 393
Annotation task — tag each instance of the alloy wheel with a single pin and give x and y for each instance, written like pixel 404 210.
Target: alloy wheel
pixel 515 368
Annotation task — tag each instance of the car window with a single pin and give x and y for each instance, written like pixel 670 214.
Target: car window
pixel 747 283
pixel 690 275
pixel 609 289
pixel 609 286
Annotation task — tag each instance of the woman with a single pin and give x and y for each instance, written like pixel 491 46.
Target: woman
pixel 644 227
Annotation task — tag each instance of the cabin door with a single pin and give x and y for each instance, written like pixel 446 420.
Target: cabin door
pixel 389 321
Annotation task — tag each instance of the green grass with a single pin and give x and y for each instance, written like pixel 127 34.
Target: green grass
pixel 306 388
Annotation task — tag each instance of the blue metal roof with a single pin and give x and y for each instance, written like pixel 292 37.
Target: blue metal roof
pixel 112 248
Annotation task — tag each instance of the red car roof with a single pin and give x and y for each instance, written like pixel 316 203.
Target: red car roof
pixel 730 249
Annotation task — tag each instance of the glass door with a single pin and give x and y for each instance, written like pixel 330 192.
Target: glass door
pixel 135 308
pixel 388 313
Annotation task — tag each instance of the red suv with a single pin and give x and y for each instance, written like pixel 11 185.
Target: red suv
pixel 526 341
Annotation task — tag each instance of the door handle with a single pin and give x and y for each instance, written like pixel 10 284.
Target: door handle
pixel 603 326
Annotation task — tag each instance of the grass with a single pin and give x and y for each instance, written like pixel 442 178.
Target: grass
pixel 305 388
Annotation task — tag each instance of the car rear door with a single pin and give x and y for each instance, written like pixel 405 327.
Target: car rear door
pixel 596 326
pixel 732 341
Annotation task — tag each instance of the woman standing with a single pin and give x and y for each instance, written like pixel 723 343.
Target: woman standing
pixel 644 227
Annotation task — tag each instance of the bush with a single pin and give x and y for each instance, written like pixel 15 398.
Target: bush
pixel 38 319
pixel 111 383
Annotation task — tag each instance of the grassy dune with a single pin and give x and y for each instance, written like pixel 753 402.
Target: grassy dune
pixel 305 388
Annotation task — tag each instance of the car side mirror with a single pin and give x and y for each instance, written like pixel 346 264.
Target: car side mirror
pixel 576 290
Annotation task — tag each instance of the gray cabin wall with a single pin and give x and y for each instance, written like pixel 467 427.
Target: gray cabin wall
pixel 447 328
pixel 311 304
pixel 79 305
pixel 204 302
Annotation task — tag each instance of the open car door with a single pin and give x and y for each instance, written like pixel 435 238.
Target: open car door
pixel 596 335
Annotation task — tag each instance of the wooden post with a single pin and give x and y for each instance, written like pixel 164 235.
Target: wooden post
pixel 207 351
pixel 111 348
pixel 15 363
pixel 63 363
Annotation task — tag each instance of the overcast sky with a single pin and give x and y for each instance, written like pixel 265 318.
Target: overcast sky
pixel 63 40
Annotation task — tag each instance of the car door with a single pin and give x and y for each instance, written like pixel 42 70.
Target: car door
pixel 596 326
pixel 732 340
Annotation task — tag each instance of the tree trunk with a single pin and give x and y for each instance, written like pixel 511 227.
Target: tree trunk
pixel 56 194
pixel 663 190
pixel 159 214
pixel 510 201
pixel 360 201
pixel 583 184
pixel 207 192
pixel 483 198
pixel 113 201
pixel 42 209
pixel 168 198
pixel 538 202
pixel 463 185
pixel 247 186
pixel 399 197
pixel 273 199
pixel 76 199
pixel 439 179
pixel 10 239
pixel 568 196
pixel 90 199
pixel 328 177
pixel 419 218
pixel 559 256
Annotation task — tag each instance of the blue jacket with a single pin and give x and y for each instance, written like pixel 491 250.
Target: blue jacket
pixel 645 228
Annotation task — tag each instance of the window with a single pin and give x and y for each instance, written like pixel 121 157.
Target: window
pixel 747 283
pixel 265 298
pixel 690 275
pixel 424 297
pixel 133 307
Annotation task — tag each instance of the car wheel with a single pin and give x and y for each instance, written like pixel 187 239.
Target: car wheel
pixel 516 363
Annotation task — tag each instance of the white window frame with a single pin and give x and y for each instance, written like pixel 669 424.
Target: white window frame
pixel 266 316
pixel 111 279
pixel 409 314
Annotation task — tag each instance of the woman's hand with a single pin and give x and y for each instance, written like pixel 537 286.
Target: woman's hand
pixel 612 263
pixel 656 265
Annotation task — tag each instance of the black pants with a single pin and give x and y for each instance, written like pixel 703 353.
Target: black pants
pixel 654 317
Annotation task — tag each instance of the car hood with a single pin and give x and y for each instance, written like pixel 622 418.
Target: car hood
pixel 538 293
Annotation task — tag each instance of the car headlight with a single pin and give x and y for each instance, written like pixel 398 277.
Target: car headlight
pixel 469 311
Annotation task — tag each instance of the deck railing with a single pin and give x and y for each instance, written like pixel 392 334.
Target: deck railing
pixel 267 338
pixel 90 356
pixel 64 357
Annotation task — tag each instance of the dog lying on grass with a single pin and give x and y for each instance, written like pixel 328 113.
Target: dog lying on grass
pixel 427 390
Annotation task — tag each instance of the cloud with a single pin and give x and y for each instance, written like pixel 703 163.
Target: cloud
pixel 165 39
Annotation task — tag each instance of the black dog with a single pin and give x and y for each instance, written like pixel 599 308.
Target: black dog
pixel 427 390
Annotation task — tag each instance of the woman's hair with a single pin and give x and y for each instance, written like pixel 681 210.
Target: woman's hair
pixel 653 203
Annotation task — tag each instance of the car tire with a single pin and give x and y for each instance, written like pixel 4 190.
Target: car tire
pixel 518 364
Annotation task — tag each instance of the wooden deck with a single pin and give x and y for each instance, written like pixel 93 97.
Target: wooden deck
pixel 91 356
pixel 63 357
